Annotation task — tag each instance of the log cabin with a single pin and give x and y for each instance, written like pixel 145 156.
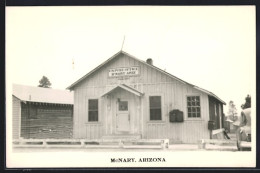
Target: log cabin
pixel 125 97
pixel 40 113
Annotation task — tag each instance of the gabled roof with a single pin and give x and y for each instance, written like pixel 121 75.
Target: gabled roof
pixel 42 95
pixel 125 87
pixel 209 93
pixel 152 66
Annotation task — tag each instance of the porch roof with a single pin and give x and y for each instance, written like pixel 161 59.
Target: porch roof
pixel 125 87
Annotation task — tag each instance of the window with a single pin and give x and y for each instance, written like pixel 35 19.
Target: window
pixel 155 108
pixel 93 110
pixel 123 106
pixel 193 104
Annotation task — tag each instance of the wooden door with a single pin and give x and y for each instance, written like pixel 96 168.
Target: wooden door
pixel 123 116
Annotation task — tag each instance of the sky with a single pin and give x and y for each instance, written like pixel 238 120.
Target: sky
pixel 210 47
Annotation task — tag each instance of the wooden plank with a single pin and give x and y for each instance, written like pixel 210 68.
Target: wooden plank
pixel 142 146
pixel 218 141
pixel 95 143
pixel 101 146
pixel 244 144
pixel 63 146
pixel 28 146
pixel 220 148
pixel 214 132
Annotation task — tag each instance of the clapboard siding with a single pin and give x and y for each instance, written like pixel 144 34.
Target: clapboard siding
pixel 47 121
pixel 188 132
pixel 147 74
pixel 151 82
pixel 16 117
pixel 174 97
pixel 156 130
pixel 81 96
pixel 94 131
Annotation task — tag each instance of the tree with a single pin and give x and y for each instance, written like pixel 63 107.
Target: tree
pixel 248 102
pixel 232 111
pixel 44 82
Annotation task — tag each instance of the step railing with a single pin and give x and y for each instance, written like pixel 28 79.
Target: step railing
pixel 91 143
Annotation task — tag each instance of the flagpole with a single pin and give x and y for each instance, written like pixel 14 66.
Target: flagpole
pixel 123 43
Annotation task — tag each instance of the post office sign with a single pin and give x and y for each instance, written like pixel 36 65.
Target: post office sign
pixel 124 71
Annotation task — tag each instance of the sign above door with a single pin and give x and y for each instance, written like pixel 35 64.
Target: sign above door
pixel 124 71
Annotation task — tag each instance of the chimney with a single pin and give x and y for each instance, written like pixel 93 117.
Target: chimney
pixel 149 61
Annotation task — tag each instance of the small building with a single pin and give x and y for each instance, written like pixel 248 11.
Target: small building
pixel 126 97
pixel 41 112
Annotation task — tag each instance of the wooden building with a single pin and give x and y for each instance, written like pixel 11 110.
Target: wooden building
pixel 41 112
pixel 128 97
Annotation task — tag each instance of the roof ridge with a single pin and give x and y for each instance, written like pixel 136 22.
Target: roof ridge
pixel 40 87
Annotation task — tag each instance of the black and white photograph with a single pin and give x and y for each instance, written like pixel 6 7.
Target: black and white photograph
pixel 130 86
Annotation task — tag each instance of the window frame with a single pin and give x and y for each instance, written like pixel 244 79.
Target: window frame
pixel 98 110
pixel 162 111
pixel 118 105
pixel 200 106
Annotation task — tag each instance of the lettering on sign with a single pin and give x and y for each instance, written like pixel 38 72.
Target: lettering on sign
pixel 123 71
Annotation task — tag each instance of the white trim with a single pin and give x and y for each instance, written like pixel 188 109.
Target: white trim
pixel 125 87
pixel 86 110
pixel 94 122
pixel 186 118
pixel 209 93
pixel 156 68
pixel 156 121
pixel 134 91
pixel 20 119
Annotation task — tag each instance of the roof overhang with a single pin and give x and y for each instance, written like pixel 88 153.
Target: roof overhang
pixel 124 87
pixel 210 93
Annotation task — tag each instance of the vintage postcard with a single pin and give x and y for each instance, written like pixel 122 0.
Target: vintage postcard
pixel 131 86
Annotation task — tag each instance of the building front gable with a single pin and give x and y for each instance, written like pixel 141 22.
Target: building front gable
pixel 123 69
